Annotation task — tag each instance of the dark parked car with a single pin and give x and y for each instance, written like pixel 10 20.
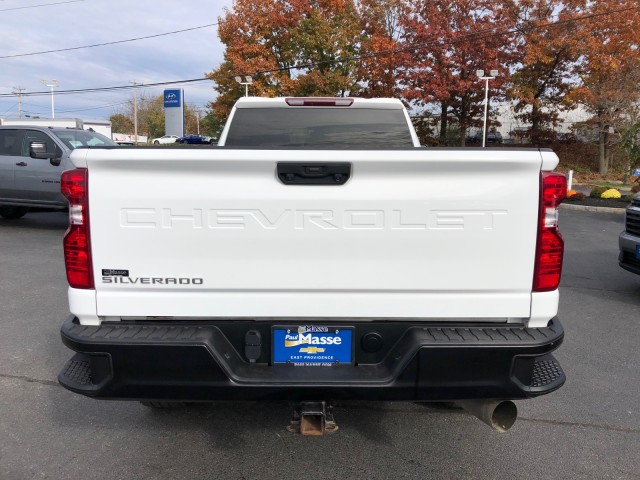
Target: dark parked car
pixel 630 239
pixel 492 137
pixel 195 139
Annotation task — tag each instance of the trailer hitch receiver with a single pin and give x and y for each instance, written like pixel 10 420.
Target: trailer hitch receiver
pixel 313 419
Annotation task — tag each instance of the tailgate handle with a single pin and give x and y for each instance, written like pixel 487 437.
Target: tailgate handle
pixel 293 173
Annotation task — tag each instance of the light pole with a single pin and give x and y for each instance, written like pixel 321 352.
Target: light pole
pixel 52 85
pixel 492 74
pixel 247 81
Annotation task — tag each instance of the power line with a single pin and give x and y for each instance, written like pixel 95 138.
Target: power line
pixel 40 5
pixel 78 109
pixel 93 108
pixel 116 42
pixel 475 36
pixel 42 107
pixel 108 89
pixel 11 108
pixel 108 43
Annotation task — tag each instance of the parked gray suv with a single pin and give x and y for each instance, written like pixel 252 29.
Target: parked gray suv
pixel 32 160
pixel 630 239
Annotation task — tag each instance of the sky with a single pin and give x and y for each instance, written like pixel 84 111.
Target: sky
pixel 60 24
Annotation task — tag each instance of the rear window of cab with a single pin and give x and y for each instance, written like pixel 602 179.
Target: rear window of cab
pixel 313 127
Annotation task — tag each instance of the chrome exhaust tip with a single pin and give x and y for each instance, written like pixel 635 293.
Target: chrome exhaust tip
pixel 498 414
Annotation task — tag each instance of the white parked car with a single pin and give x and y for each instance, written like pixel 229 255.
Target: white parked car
pixel 165 139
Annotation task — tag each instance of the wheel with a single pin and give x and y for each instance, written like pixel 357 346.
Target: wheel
pixel 13 213
pixel 156 142
pixel 163 405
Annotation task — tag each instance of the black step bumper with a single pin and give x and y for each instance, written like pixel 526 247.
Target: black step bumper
pixel 203 361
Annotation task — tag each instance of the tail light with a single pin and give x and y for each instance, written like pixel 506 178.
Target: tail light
pixel 550 246
pixel 77 243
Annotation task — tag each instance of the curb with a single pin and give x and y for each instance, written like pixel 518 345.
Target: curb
pixel 589 208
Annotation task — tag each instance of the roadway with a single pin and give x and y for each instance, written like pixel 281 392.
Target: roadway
pixel 589 429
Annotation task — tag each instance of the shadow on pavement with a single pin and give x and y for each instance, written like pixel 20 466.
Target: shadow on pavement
pixel 39 221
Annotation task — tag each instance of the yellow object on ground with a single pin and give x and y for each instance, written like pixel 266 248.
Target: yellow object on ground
pixel 611 193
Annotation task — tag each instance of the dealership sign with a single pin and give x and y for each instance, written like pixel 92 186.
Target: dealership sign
pixel 172 98
pixel 174 112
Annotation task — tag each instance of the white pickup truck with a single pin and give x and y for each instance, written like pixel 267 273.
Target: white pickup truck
pixel 319 253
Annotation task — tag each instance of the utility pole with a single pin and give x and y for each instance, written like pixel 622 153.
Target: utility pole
pixel 18 91
pixel 135 110
pixel 198 119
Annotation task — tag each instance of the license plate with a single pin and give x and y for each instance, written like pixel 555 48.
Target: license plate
pixel 312 345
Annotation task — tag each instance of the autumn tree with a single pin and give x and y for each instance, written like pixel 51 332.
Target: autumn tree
pixel 630 143
pixel 211 124
pixel 609 71
pixel 548 49
pixel 204 122
pixel 328 34
pixel 382 53
pixel 120 123
pixel 258 38
pixel 192 119
pixel 452 39
pixel 150 117
pixel 268 39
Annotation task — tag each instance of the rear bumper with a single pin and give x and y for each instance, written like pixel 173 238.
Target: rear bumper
pixel 203 361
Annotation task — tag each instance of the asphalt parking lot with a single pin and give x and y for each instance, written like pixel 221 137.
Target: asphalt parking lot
pixel 589 429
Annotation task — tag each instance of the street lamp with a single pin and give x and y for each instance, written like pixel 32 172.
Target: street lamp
pixel 247 81
pixel 52 85
pixel 492 74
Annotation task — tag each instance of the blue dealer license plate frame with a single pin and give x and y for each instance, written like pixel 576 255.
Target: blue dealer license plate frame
pixel 303 345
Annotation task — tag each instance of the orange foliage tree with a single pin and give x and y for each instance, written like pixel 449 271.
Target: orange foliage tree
pixel 451 40
pixel 609 70
pixel 268 39
pixel 550 55
pixel 382 54
pixel 548 51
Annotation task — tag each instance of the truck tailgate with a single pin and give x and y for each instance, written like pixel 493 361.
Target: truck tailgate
pixel 214 233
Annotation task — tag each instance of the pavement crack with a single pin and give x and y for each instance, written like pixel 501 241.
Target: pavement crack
pixel 609 428
pixel 30 379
